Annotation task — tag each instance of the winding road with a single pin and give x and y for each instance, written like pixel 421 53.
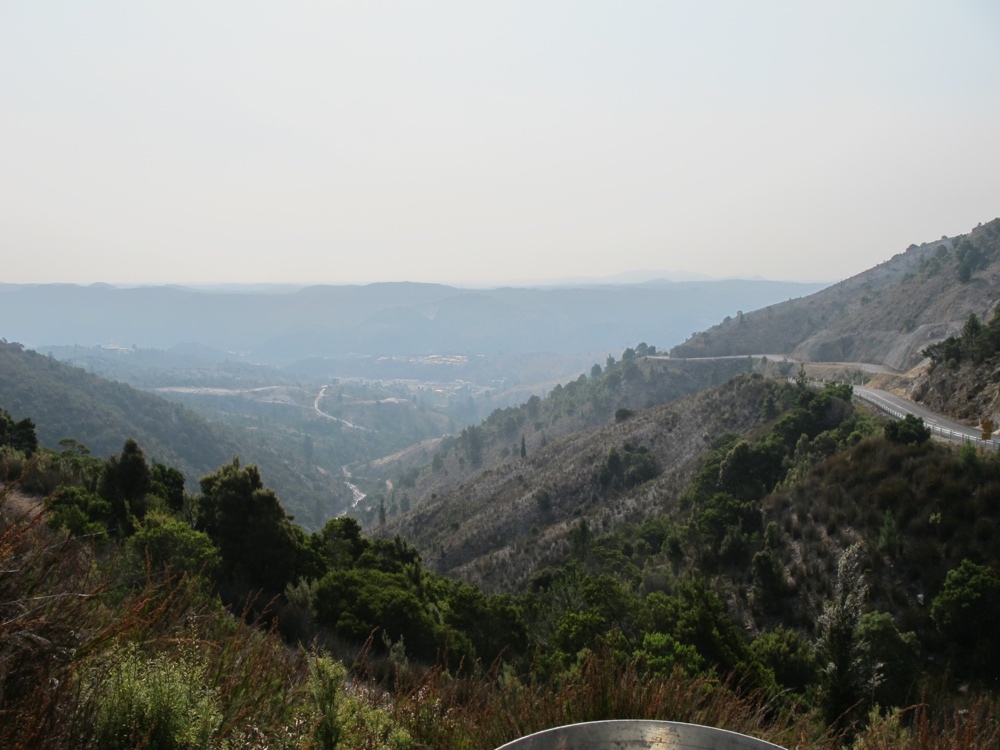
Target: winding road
pixel 319 397
pixel 863 366
pixel 356 494
pixel 890 403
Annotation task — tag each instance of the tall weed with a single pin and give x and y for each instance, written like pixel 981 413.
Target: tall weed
pixel 159 702
pixel 484 712
pixel 975 727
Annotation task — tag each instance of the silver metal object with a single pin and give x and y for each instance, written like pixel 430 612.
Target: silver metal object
pixel 637 735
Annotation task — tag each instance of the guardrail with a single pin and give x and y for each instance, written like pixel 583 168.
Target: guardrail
pixel 992 443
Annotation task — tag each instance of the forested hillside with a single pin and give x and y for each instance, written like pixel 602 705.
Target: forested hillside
pixel 805 577
pixel 518 516
pixel 67 402
pixel 637 381
pixel 763 555
pixel 99 414
pixel 887 314
pixel 963 379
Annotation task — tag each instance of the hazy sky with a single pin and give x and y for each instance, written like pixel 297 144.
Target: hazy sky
pixel 475 141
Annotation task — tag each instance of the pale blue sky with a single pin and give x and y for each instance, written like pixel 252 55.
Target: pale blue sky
pixel 489 142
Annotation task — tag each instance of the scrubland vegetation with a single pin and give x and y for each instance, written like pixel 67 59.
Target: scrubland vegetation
pixel 819 579
pixel 625 386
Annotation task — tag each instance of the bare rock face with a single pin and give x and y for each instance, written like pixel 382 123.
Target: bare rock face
pixel 920 387
pixel 907 351
pixel 828 346
pixel 970 393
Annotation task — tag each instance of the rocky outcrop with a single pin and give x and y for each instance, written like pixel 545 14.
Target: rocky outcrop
pixel 968 393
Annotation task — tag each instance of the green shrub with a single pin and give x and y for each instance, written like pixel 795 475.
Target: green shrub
pixel 158 702
pixel 897 656
pixel 627 468
pixel 789 656
pixel 966 612
pixel 661 654
pixel 82 513
pixel 343 719
pixel 164 543
pixel 326 695
pixel 908 431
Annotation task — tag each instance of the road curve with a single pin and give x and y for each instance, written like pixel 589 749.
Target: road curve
pixel 897 406
pixel 319 396
pixel 865 366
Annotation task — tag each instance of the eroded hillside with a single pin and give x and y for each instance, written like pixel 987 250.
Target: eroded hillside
pixel 636 382
pixel 886 315
pixel 963 377
pixel 516 517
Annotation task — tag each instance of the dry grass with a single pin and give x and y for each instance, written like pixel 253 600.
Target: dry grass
pixel 65 623
pixel 975 727
pixel 481 713
pixel 63 617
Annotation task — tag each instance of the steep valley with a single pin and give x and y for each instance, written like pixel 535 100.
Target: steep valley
pixel 515 518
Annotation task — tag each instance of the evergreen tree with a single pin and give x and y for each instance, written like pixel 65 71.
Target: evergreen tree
pixel 124 483
pixel 966 612
pixel 18 435
pixel 847 674
pixel 259 546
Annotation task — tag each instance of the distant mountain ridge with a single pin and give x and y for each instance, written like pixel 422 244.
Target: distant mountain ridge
pixel 888 314
pixel 379 318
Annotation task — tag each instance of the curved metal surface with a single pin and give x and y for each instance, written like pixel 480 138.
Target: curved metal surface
pixel 637 735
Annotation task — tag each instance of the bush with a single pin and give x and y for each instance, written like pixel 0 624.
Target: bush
pixel 789 656
pixel 341 719
pixel 908 431
pixel 897 656
pixel 82 513
pixel 966 612
pixel 326 695
pixel 627 468
pixel 355 603
pixel 166 544
pixel 157 702
pixel 661 654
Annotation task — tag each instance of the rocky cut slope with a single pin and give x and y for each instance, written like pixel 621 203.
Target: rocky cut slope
pixel 887 315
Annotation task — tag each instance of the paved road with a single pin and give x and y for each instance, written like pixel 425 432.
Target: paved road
pixel 319 397
pixel 776 357
pixel 865 366
pixel 942 426
pixel 898 406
